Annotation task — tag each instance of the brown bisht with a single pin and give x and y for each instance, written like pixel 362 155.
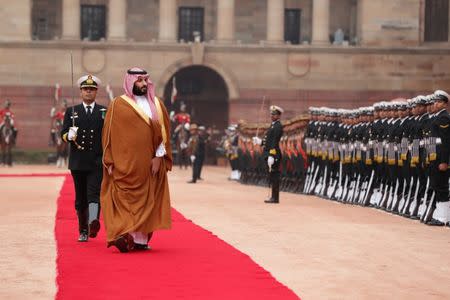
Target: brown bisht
pixel 132 199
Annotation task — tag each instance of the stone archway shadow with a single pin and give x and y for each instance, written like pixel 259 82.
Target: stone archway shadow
pixel 233 90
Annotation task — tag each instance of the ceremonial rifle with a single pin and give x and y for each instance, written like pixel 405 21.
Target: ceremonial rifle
pixel 338 192
pixel 423 205
pixel 414 205
pixel 403 207
pixel 429 211
pixel 368 188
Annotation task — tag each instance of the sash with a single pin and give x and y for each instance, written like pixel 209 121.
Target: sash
pixel 145 117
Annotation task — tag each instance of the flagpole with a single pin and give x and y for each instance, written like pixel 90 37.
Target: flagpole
pixel 174 91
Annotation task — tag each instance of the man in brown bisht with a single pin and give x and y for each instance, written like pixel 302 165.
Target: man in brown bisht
pixel 136 157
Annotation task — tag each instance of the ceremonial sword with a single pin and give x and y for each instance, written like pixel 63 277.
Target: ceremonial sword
pixel 259 114
pixel 73 100
pixel 257 132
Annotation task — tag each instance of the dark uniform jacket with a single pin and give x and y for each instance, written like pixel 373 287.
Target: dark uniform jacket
pixel 440 129
pixel 272 140
pixel 201 146
pixel 89 137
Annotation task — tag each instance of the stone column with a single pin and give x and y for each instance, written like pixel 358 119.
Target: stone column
pixel 321 22
pixel 449 25
pixel 71 20
pixel 225 20
pixel 117 20
pixel 275 21
pixel 168 20
pixel 16 21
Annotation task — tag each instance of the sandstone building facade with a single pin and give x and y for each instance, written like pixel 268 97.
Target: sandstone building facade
pixel 226 55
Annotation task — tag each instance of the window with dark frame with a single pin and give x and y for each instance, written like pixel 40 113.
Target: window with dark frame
pixel 40 27
pixel 436 20
pixel 46 19
pixel 190 20
pixel 93 22
pixel 292 25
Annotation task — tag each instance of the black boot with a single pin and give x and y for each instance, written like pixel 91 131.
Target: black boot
pixel 83 225
pixel 275 191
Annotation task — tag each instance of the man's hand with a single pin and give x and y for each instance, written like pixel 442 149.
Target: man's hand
pixel 156 164
pixel 72 135
pixel 270 161
pixel 192 158
pixel 256 140
pixel 443 167
pixel 110 169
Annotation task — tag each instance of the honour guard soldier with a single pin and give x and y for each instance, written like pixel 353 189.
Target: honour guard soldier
pixel 82 129
pixel 7 113
pixel 6 110
pixel 272 152
pixel 197 150
pixel 231 146
pixel 437 212
pixel 417 164
pixel 182 117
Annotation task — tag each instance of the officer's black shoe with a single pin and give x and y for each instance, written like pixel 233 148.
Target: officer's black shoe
pixel 141 247
pixel 94 227
pixel 434 222
pixel 448 224
pixel 191 181
pixel 83 236
pixel 271 200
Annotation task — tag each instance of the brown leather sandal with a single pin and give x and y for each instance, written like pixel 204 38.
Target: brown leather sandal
pixel 124 243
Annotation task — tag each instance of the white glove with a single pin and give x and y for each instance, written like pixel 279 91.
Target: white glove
pixel 192 158
pixel 256 140
pixel 270 161
pixel 72 133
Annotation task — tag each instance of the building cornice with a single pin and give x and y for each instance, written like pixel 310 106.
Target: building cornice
pixel 216 47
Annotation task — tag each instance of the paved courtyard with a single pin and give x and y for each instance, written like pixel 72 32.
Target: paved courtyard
pixel 320 249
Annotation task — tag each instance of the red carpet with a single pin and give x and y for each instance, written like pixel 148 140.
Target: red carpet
pixel 186 262
pixel 34 175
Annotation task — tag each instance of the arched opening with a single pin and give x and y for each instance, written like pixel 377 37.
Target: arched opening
pixel 205 94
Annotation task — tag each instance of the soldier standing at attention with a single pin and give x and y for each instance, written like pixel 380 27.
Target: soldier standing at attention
pixel 84 136
pixel 272 152
pixel 197 150
pixel 438 210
